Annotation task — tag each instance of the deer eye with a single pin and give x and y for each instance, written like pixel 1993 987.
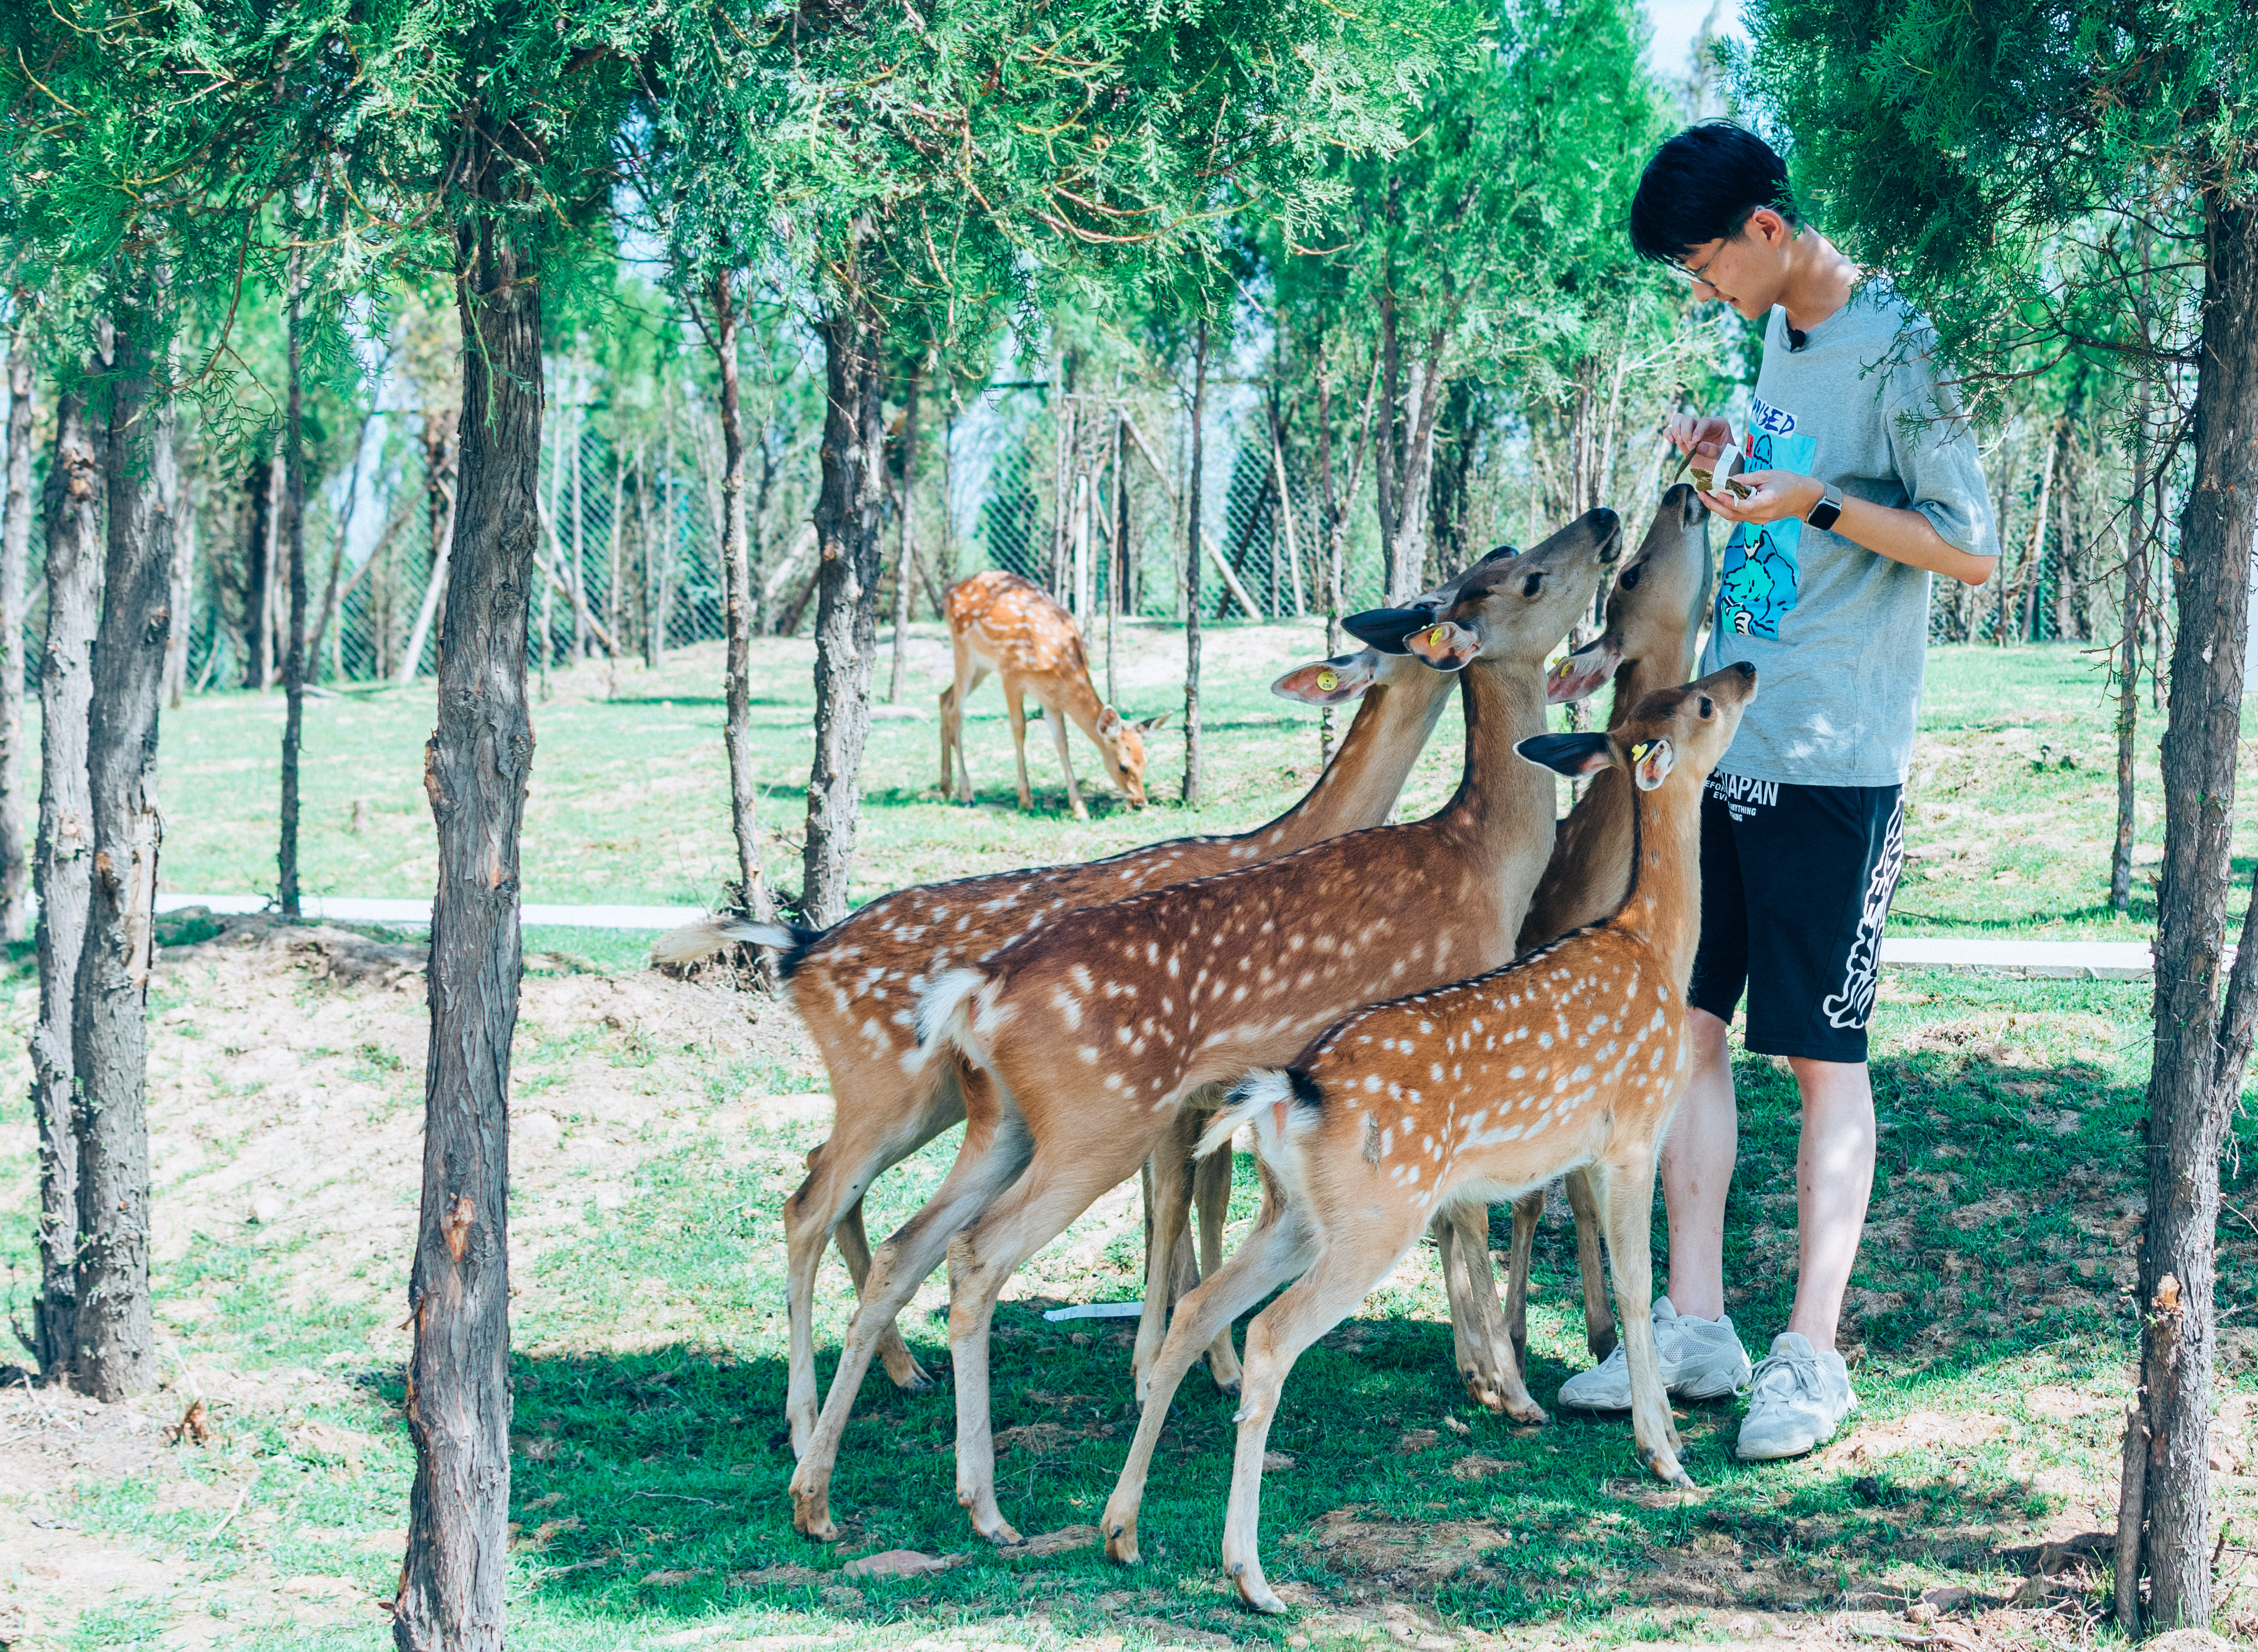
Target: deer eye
pixel 1704 705
pixel 1531 586
pixel 1629 580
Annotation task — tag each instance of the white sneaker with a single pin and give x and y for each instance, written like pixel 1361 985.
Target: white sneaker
pixel 1700 1359
pixel 1799 1399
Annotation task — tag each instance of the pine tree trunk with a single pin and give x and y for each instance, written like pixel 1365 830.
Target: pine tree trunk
pixel 116 1337
pixel 61 859
pixel 293 644
pixel 1192 573
pixel 752 892
pixel 2200 1053
pixel 906 559
pixel 476 768
pixel 847 511
pixel 15 561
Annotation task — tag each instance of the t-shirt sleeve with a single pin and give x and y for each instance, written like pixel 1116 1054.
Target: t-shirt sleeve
pixel 1933 448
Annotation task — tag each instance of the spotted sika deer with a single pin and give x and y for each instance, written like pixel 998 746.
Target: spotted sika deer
pixel 1654 614
pixel 1002 623
pixel 1572 1057
pixel 1089 1035
pixel 853 985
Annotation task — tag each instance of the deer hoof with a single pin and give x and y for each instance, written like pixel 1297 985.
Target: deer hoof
pixel 1121 1542
pixel 1531 1415
pixel 1254 1589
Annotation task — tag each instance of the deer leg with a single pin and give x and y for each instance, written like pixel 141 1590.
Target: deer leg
pixel 866 1141
pixel 1171 1213
pixel 948 717
pixel 893 1353
pixel 982 1258
pixel 1626 1192
pixel 1057 721
pixel 1211 1198
pixel 1494 1382
pixel 1278 1245
pixel 993 1153
pixel 1598 1323
pixel 1526 1210
pixel 1348 1266
pixel 1465 1326
pixel 1015 711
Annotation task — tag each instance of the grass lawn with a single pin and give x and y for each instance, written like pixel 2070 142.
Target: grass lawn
pixel 2011 804
pixel 658 1124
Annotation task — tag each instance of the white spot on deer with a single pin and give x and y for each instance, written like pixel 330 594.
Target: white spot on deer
pixel 1089 1053
pixel 1113 1080
pixel 1372 1080
pixel 1069 1009
pixel 1544 1040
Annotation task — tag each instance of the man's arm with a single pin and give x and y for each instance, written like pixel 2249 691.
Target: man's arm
pixel 1902 535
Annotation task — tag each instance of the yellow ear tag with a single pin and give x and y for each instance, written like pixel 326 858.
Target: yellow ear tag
pixel 1328 680
pixel 1639 752
pixel 1438 637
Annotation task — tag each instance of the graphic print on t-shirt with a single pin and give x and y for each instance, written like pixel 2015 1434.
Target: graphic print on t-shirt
pixel 1761 575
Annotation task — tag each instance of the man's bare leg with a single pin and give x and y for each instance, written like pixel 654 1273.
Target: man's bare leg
pixel 1697 1173
pixel 1834 1180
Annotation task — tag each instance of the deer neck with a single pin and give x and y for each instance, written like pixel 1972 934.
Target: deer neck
pixel 1366 774
pixel 1504 803
pixel 1070 695
pixel 1636 679
pixel 1664 905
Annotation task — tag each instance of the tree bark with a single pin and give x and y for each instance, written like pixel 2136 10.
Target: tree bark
pixel 15 561
pixel 847 520
pixel 116 1337
pixel 752 892
pixel 2200 1049
pixel 2128 670
pixel 73 507
pixel 476 768
pixel 294 643
pixel 1192 532
pixel 905 556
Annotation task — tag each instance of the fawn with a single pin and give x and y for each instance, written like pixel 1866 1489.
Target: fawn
pixel 853 985
pixel 1001 622
pixel 1571 1057
pixel 1654 614
pixel 1088 1036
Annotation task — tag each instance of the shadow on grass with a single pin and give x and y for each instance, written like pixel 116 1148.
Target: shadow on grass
pixel 656 1482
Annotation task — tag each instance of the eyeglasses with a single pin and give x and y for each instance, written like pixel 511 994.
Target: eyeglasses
pixel 1701 277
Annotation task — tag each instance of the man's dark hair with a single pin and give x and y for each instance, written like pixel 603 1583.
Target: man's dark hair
pixel 1702 186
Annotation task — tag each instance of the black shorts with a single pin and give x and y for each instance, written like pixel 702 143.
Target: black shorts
pixel 1796 884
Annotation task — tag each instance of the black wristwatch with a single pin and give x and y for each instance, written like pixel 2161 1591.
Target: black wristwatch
pixel 1830 506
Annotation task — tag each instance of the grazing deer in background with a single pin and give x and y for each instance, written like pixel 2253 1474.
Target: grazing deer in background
pixel 1002 623
pixel 853 986
pixel 1572 1057
pixel 1654 616
pixel 1089 1035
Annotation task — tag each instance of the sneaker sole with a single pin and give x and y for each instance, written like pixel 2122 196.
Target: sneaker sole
pixel 1712 1388
pixel 1777 1456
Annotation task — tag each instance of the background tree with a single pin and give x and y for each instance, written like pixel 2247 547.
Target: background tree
pixel 1995 162
pixel 15 563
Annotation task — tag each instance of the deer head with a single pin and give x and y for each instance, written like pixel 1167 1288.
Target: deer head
pixel 1674 737
pixel 1654 611
pixel 1506 606
pixel 1124 746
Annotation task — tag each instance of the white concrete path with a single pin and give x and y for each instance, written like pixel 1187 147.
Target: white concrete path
pixel 2046 960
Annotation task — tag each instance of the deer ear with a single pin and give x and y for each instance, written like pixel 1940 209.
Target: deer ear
pixel 1108 724
pixel 1329 682
pixel 1570 755
pixel 1147 725
pixel 1574 676
pixel 1651 762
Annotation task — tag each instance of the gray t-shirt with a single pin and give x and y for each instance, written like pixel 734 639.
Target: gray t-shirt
pixel 1837 633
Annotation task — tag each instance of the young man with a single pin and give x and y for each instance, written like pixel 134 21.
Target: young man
pixel 1865 482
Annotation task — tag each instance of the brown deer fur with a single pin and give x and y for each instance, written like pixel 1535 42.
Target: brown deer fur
pixel 854 983
pixel 1654 616
pixel 1572 1057
pixel 1093 1033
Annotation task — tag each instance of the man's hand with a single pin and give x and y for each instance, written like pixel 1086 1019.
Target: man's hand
pixel 1778 493
pixel 1704 438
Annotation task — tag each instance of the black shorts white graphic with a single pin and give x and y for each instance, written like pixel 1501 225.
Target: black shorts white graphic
pixel 1796 884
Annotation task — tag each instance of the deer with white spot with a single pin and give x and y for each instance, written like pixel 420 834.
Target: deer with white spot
pixel 1653 621
pixel 1091 1034
pixel 854 985
pixel 1001 623
pixel 1570 1058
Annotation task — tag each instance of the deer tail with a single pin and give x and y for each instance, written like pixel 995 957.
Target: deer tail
pixel 702 938
pixel 1268 1100
pixel 954 1010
